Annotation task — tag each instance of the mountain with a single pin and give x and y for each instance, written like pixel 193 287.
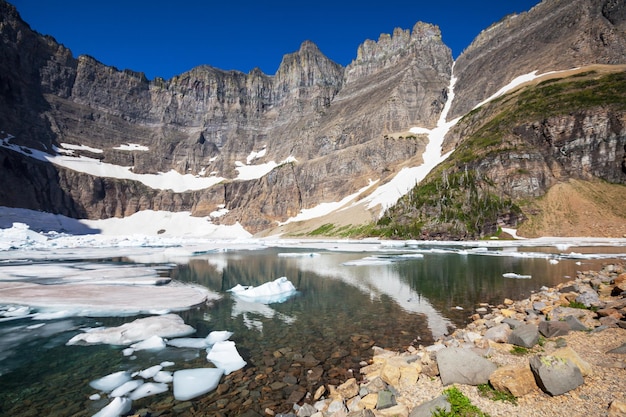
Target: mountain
pixel 87 140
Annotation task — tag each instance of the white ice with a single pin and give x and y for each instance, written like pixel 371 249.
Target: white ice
pixel 152 343
pixel 188 342
pixel 276 291
pixel 516 276
pixel 224 355
pixel 148 389
pixel 169 325
pixel 118 407
pixel 150 372
pixel 191 383
pixel 131 147
pixel 126 387
pixel 110 382
pixel 217 336
pixel 251 172
pixel 163 376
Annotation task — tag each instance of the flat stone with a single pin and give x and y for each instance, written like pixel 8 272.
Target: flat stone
pixel 555 376
pixel 569 353
pixel 386 399
pixel 554 328
pixel 513 324
pixel 349 388
pixel 458 365
pixel 516 380
pixel 499 333
pixel 428 408
pixel 526 335
pixel 575 324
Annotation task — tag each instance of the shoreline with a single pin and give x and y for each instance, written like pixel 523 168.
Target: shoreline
pixel 412 379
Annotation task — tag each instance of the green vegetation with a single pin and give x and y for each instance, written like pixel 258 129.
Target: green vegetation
pixel 460 405
pixel 490 392
pixel 458 199
pixel 519 350
pixel 346 231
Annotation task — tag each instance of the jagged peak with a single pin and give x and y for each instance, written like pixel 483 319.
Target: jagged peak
pixel 308 46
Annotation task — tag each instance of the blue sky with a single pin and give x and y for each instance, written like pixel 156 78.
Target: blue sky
pixel 166 38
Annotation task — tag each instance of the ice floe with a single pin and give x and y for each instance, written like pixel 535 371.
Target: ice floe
pixel 169 325
pixel 191 383
pixel 276 291
pixel 516 276
pixel 126 387
pixel 117 407
pixel 224 355
pixel 110 382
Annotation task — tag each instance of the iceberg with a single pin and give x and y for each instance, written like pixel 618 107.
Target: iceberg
pixel 152 343
pixel 109 382
pixel 217 336
pixel 119 406
pixel 276 291
pixel 191 383
pixel 224 355
pixel 126 387
pixel 516 276
pixel 147 389
pixel 169 325
pixel 150 372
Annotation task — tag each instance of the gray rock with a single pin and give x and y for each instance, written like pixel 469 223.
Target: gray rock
pixel 458 365
pixel 526 335
pixel 554 328
pixel 513 324
pixel 307 410
pixel 589 299
pixel 428 408
pixel 555 376
pixel 575 324
pixel 386 399
pixel 499 333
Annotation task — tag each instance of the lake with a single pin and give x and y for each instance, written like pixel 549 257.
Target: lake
pixel 350 297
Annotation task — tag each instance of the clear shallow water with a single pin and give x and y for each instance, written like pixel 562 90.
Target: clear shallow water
pixel 339 312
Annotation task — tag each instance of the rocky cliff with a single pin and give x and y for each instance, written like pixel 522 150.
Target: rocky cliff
pixel 324 131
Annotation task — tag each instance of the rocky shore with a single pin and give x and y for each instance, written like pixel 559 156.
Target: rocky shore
pixel 561 352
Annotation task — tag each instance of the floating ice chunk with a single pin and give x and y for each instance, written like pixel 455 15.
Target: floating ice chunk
pixel 516 276
pixel 191 383
pixel 163 376
pixel 16 311
pixel 276 291
pixel 224 355
pixel 119 406
pixel 150 372
pixel 554 261
pixel 147 389
pixel 165 364
pixel 126 387
pixel 152 343
pixel 169 325
pixel 189 342
pixel 217 336
pixel 128 351
pixel 109 382
pixel 94 397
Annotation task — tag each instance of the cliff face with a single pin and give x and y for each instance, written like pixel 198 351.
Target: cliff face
pixel 334 129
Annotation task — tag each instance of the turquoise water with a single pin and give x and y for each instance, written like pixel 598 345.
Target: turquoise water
pixel 338 313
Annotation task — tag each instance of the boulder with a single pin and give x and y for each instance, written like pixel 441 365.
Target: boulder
pixel 386 399
pixel 554 328
pixel 516 380
pixel 499 333
pixel 555 376
pixel 349 388
pixel 526 335
pixel 458 365
pixel 428 408
pixel 569 353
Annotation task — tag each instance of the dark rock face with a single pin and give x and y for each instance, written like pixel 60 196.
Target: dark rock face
pixel 554 35
pixel 342 125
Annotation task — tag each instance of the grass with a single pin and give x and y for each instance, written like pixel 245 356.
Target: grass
pixel 490 392
pixel 519 350
pixel 460 406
